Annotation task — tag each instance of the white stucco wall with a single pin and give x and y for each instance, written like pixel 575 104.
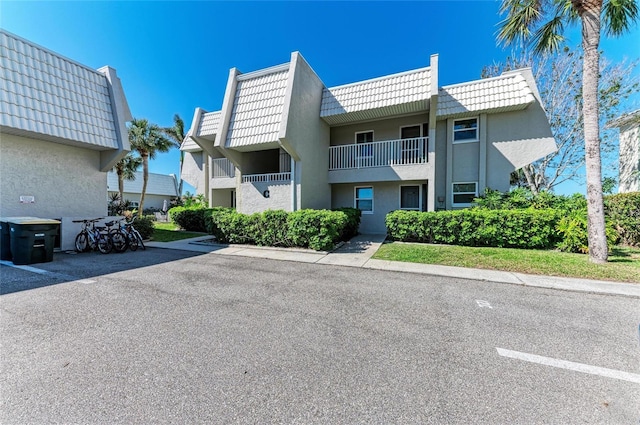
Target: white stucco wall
pixel 253 199
pixel 388 129
pixel 65 182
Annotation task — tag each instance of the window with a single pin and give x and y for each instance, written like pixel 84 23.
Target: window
pixel 410 197
pixel 364 199
pixel 464 193
pixel 465 130
pixel 367 150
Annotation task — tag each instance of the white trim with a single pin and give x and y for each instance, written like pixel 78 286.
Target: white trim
pixel 462 193
pixel 262 72
pixel 453 130
pixel 355 136
pixel 419 186
pixel 355 198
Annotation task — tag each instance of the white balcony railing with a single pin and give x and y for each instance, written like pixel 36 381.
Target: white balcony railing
pixel 379 154
pixel 223 168
pixel 266 178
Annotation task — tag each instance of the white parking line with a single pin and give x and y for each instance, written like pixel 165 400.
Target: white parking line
pixel 25 268
pixel 564 364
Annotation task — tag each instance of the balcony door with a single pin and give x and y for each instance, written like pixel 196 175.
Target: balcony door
pixel 413 146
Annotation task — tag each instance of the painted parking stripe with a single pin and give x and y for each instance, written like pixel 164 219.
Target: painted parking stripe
pixel 564 364
pixel 52 274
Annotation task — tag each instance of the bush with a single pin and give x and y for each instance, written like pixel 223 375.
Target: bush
pixel 353 222
pixel 315 229
pixel 476 227
pixel 573 229
pixel 191 219
pixel 623 210
pixel 144 225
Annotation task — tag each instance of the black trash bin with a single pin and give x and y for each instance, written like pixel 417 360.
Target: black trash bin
pixel 5 241
pixel 32 239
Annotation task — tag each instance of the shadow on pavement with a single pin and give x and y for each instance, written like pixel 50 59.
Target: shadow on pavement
pixel 71 266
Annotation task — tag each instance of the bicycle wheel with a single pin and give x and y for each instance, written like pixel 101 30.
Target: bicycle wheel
pixel 119 240
pixel 140 240
pixel 133 241
pixel 105 245
pixel 82 244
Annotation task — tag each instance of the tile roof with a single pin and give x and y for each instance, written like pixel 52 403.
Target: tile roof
pixel 509 91
pixel 257 107
pixel 209 124
pixel 158 184
pixel 632 117
pixel 44 93
pixel 385 96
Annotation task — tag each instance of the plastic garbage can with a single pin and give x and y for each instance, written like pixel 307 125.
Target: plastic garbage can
pixel 5 241
pixel 32 239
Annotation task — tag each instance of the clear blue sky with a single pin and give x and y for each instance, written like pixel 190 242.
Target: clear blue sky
pixel 175 56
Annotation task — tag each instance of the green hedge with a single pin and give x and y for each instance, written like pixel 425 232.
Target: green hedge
pixel 191 219
pixel 353 222
pixel 623 211
pixel 315 229
pixel 476 227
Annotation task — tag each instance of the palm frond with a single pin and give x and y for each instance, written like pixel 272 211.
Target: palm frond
pixel 618 16
pixel 548 37
pixel 522 16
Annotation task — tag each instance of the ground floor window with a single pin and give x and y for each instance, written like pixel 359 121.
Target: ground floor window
pixel 410 197
pixel 464 193
pixel 364 199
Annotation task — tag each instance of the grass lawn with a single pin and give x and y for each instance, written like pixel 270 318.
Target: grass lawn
pixel 623 265
pixel 168 232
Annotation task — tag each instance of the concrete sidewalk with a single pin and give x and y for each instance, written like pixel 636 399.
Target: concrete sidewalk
pixel 358 252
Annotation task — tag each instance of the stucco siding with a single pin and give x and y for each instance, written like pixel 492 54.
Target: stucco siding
pixel 26 169
pixel 441 185
pixel 386 198
pixel 253 199
pixel 306 137
pixel 193 170
pixel 465 162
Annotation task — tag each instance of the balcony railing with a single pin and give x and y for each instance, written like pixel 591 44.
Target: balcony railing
pixel 223 168
pixel 379 154
pixel 266 178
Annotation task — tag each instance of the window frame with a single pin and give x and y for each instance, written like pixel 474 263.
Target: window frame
pixel 364 152
pixel 356 199
pixel 419 186
pixel 454 131
pixel 453 193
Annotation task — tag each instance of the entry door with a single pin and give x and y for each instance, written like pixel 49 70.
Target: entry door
pixel 413 150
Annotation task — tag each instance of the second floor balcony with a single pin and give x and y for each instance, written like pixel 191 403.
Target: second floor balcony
pixel 379 154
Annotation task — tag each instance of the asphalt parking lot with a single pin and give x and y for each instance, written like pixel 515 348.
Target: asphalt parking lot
pixel 167 336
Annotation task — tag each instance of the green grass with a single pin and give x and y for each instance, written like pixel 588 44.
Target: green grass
pixel 169 232
pixel 623 265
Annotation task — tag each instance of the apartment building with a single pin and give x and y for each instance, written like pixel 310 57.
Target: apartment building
pixel 629 151
pixel 283 140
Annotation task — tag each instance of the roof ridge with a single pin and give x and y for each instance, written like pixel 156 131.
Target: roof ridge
pixel 384 77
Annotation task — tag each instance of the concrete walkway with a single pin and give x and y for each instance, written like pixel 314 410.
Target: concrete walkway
pixel 358 252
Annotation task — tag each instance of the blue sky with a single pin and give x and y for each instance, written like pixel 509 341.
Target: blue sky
pixel 175 56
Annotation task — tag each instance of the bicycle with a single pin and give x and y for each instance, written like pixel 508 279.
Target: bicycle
pixel 92 238
pixel 134 239
pixel 119 239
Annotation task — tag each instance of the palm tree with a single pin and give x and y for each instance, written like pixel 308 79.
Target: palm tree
pixel 126 170
pixel 542 22
pixel 176 133
pixel 146 139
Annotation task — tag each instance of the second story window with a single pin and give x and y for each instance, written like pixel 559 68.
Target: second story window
pixel 365 151
pixel 465 130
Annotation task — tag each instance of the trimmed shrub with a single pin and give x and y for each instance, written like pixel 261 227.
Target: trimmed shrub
pixel 353 222
pixel 191 219
pixel 316 229
pixel 144 225
pixel 623 210
pixel 476 227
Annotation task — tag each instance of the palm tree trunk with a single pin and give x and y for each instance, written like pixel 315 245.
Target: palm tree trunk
pixel 145 178
pixel 598 250
pixel 121 186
